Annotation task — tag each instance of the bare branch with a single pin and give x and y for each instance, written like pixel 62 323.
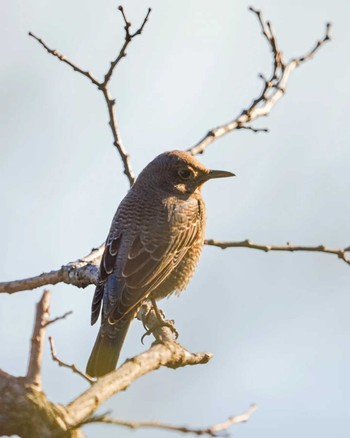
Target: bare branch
pixel 80 273
pixel 52 277
pixel 170 354
pixel 84 272
pixel 37 341
pixel 103 86
pixel 118 143
pixel 319 43
pixel 64 59
pixel 212 431
pixel 164 352
pixel 58 318
pixel 273 89
pixel 72 367
pixel 128 38
pixel 251 128
pixel 341 253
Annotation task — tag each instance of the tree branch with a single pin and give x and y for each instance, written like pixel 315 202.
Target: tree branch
pixel 103 86
pixel 58 318
pixel 341 253
pixel 274 87
pixel 128 38
pixel 80 273
pixel 83 272
pixel 170 354
pixel 212 431
pixel 164 352
pixel 64 59
pixel 37 341
pixel 72 367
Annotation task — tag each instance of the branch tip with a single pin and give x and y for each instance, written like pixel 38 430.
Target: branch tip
pixel 273 88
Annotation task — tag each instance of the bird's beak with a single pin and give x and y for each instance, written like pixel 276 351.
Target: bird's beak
pixel 219 174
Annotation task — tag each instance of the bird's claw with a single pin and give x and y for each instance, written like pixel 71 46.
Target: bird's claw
pixel 161 323
pixel 147 333
pixel 170 323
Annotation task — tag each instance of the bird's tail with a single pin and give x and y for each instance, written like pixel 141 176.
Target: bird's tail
pixel 105 354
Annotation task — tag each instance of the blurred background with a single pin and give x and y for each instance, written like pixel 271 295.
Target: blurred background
pixel 277 323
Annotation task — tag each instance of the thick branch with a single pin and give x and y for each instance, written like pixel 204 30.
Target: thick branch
pixel 37 340
pixel 274 87
pixel 80 273
pixel 213 431
pixel 341 253
pixel 165 352
pixel 170 354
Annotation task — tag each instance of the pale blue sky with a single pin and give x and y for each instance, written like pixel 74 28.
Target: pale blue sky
pixel 278 324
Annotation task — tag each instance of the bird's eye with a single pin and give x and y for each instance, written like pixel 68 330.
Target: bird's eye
pixel 185 173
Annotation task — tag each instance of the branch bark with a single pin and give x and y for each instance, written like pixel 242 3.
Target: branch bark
pixel 37 340
pixel 40 417
pixel 164 352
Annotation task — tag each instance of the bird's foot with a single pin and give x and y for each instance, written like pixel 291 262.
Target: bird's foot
pixel 161 322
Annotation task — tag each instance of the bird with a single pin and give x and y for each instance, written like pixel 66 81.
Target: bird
pixel 152 249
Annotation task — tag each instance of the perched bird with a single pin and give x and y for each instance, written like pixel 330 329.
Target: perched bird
pixel 152 249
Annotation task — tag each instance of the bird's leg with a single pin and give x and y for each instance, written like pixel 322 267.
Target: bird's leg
pixel 159 312
pixel 161 321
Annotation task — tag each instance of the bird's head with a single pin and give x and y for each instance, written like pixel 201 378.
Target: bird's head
pixel 178 172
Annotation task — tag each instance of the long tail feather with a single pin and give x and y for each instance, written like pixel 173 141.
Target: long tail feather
pixel 105 353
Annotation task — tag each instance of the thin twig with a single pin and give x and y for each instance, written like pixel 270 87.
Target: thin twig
pixel 341 253
pixel 250 128
pixel 72 367
pixel 273 88
pixel 318 44
pixel 103 86
pixel 58 318
pixel 214 431
pixel 64 59
pixel 37 341
pixel 127 40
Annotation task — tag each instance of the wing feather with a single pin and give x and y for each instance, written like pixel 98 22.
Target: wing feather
pixel 154 253
pixel 154 267
pixel 106 267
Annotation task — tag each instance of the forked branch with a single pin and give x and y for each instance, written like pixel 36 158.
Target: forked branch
pixel 103 86
pixel 273 88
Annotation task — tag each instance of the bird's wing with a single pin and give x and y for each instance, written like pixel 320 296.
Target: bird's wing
pixel 151 258
pixel 107 265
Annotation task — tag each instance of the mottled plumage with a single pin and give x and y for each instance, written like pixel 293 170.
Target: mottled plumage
pixel 152 249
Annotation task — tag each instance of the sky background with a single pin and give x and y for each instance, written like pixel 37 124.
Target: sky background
pixel 278 323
